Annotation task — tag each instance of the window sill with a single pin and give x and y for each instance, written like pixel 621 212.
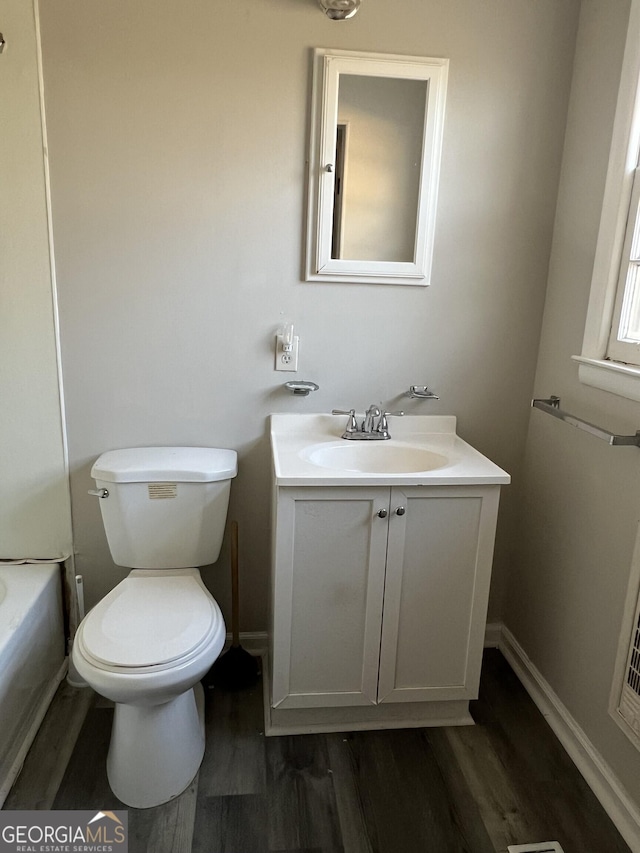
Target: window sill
pixel 620 379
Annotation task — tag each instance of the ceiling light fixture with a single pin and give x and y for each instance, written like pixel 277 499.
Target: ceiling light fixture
pixel 339 10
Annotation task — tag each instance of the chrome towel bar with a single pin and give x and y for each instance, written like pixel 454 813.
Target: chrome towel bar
pixel 552 407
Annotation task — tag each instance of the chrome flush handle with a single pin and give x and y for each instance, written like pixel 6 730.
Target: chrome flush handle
pixel 99 493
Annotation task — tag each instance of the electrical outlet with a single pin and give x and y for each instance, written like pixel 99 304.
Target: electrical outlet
pixel 287 360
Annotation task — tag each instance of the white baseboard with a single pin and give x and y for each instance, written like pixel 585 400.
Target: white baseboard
pixel 492 635
pixel 255 642
pixel 624 813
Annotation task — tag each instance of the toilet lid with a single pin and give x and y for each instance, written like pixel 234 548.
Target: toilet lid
pixel 149 621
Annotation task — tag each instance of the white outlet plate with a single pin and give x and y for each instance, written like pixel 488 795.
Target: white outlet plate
pixel 287 361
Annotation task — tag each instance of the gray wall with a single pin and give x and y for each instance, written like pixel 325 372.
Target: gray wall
pixel 35 516
pixel 580 498
pixel 178 141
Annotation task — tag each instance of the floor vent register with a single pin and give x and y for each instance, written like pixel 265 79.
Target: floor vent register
pixel 540 847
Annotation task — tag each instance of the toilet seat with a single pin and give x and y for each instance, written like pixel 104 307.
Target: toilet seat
pixel 151 621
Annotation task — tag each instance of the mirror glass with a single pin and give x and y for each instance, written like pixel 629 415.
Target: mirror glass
pixel 377 167
pixel 374 161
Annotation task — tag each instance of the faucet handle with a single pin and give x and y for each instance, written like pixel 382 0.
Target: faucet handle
pixel 352 424
pixel 383 426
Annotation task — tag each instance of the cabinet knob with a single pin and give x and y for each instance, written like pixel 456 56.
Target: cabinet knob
pixel 382 513
pixel 400 510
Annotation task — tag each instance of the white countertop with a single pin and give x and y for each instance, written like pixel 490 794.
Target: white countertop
pixel 293 435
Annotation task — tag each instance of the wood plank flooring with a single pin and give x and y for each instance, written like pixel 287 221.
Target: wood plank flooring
pixel 475 789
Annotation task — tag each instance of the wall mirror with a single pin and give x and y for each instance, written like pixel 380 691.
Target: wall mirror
pixel 374 163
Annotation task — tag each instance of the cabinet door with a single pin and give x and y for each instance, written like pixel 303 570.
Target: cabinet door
pixel 438 571
pixel 329 584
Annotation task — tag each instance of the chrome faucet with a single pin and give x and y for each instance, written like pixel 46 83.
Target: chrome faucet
pixel 373 412
pixel 369 430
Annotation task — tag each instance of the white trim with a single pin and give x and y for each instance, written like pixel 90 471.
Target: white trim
pixel 623 159
pixel 275 728
pixel 614 799
pixel 622 343
pixel 327 66
pixel 620 379
pixel 54 291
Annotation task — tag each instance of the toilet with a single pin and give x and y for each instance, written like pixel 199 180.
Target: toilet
pixel 147 644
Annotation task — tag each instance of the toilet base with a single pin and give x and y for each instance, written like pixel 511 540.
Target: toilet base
pixel 155 751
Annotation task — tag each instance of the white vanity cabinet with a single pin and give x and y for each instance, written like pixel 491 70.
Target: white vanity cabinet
pixel 379 604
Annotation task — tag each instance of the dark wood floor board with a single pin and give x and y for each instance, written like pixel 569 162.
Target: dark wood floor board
pixel 47 760
pixel 508 817
pixel 348 801
pixel 537 763
pixel 465 812
pixel 168 828
pixel 234 761
pixel 85 784
pixel 523 736
pixel 403 794
pixel 233 824
pixel 564 807
pixel 579 826
pixel 475 789
pixel 300 795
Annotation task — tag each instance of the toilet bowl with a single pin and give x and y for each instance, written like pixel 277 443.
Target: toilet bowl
pixel 147 644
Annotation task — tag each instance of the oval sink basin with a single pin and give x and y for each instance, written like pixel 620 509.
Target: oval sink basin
pixel 375 458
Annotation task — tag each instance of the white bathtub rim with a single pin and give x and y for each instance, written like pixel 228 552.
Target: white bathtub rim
pixel 20 598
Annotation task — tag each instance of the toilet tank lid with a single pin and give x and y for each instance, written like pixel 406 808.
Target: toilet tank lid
pixel 163 464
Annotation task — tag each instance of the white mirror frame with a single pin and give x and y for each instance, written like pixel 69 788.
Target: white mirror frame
pixel 327 68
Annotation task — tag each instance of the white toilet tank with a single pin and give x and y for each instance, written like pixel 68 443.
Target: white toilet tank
pixel 167 506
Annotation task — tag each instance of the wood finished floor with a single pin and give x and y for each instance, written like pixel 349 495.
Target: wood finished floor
pixel 473 789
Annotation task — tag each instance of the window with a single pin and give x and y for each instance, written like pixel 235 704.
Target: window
pixel 624 340
pixel 610 356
